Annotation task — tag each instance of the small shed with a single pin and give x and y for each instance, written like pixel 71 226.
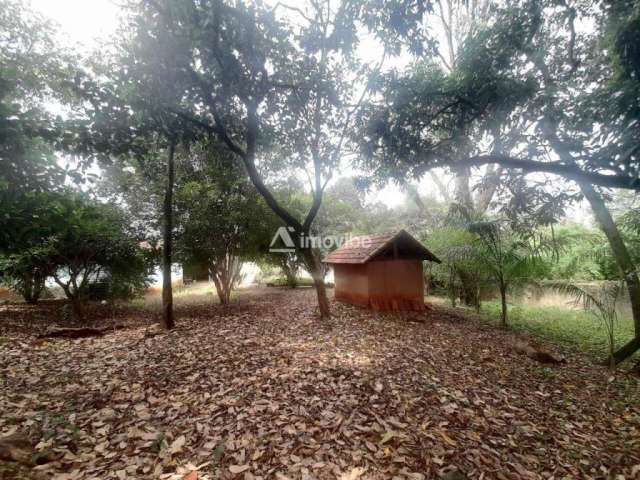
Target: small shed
pixel 382 272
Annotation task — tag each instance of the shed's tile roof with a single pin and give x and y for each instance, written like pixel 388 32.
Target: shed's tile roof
pixel 364 248
pixel 359 249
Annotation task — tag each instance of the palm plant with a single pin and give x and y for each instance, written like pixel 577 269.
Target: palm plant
pixel 511 258
pixel 600 302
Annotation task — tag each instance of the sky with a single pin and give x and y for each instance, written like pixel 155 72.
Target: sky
pixel 84 23
pixel 81 21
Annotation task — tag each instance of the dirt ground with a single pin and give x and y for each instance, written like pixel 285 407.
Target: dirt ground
pixel 261 389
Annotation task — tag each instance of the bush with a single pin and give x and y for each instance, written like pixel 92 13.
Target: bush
pixel 26 272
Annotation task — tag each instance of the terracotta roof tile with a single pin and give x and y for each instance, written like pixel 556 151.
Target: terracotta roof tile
pixel 363 248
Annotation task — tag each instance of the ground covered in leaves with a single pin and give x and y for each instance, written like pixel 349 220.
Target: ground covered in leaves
pixel 262 390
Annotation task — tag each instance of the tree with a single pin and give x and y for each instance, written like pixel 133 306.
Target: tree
pixel 32 218
pixel 276 91
pixel 457 24
pixel 290 264
pixel 129 118
pixel 342 209
pixel 290 193
pixel 36 219
pixel 167 241
pixel 493 86
pixel 75 241
pixel 90 244
pixel 460 21
pixel 221 219
pixel 143 182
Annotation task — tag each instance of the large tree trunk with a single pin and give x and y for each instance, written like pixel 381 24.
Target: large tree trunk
pixel 608 226
pixel 315 270
pixel 623 259
pixel 468 282
pixel 167 320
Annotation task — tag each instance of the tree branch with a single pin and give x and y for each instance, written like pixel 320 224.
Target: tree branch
pixel 248 160
pixel 571 172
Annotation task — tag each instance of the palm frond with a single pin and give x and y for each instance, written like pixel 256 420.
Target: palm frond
pixel 581 295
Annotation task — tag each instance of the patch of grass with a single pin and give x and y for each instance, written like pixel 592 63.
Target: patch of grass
pixel 574 329
pixel 199 293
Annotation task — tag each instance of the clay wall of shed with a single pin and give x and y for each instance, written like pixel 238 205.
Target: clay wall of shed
pixel 351 283
pixel 395 284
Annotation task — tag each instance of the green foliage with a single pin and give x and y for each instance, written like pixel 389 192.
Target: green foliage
pixel 26 272
pixel 342 209
pixel 219 212
pixel 92 243
pixel 285 282
pixel 619 98
pixel 137 186
pixel 429 116
pixel 583 254
pixel 629 224
pixel 221 220
pixel 511 257
pixel 458 250
pixel 33 71
pixel 31 218
pixel 282 82
pixel 528 79
pixel 76 241
pixel 601 303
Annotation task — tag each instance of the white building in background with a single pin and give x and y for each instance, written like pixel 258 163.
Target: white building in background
pixel 249 274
